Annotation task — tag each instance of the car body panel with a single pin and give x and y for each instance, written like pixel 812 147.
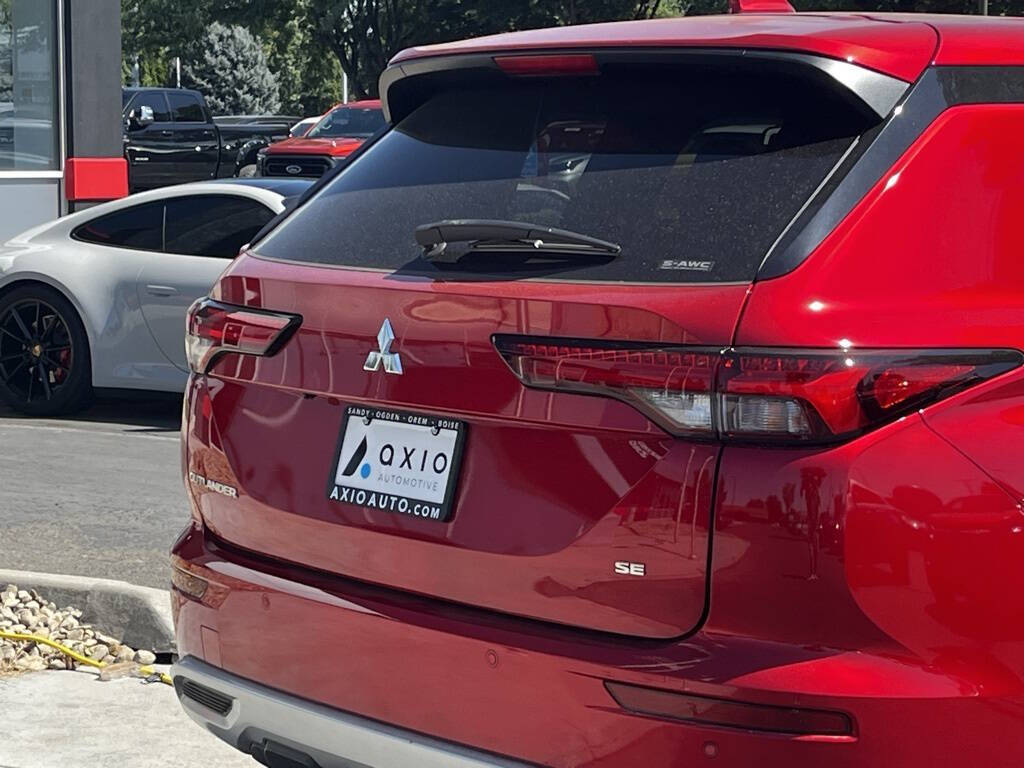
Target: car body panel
pixel 103 284
pixel 641 497
pixel 970 40
pixel 800 618
pixel 836 294
pixel 166 289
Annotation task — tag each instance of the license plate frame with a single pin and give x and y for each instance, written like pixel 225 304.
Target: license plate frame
pixel 357 489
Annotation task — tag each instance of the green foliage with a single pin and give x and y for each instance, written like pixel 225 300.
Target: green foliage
pixel 230 68
pixel 309 43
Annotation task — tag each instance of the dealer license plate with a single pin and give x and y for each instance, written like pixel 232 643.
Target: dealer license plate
pixel 400 462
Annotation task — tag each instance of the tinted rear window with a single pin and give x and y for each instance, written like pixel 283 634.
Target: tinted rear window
pixel 695 174
pixel 213 225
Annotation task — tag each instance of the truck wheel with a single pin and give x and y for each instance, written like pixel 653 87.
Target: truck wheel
pixel 247 171
pixel 44 353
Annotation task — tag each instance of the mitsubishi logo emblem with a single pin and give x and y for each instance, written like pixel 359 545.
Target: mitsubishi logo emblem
pixel 392 362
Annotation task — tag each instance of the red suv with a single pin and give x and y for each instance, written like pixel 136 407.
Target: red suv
pixel 649 394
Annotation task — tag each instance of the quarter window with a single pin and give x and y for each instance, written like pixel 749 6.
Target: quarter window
pixel 139 227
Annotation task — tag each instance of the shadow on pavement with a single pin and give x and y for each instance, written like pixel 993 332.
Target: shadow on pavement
pixel 151 412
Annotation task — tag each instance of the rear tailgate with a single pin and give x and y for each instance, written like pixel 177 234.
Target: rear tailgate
pixel 556 506
pixel 553 489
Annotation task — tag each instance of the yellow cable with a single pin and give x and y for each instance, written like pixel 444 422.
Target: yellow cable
pixel 147 670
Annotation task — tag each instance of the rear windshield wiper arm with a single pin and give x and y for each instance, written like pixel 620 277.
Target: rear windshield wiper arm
pixel 497 235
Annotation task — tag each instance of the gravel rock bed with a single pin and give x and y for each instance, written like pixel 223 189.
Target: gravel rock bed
pixel 27 612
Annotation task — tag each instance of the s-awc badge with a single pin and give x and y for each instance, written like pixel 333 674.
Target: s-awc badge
pixel 687 265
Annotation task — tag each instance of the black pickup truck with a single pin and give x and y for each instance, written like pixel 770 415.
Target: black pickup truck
pixel 170 138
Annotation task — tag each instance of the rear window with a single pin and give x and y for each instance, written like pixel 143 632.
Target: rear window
pixel 213 225
pixel 693 173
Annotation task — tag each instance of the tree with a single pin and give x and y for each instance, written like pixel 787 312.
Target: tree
pixel 230 69
pixel 365 34
pixel 309 43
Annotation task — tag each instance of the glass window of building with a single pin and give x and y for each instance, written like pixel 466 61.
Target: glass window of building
pixel 28 86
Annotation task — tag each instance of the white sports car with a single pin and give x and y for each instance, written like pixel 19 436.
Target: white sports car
pixel 97 299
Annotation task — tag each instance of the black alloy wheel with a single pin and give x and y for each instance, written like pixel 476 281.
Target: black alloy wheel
pixel 44 358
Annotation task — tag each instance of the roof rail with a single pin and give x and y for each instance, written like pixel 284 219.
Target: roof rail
pixel 760 6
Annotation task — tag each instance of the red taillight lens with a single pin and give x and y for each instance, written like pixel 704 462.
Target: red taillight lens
pixel 548 64
pixel 747 394
pixel 672 386
pixel 213 328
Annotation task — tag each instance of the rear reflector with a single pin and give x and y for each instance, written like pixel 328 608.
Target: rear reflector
pixel 548 64
pixel 213 328
pixel 705 710
pixel 753 394
pixel 188 583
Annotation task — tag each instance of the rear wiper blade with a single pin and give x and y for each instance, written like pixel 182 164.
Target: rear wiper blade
pixel 497 235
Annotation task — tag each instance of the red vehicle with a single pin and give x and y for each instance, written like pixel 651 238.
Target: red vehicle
pixel 337 134
pixel 650 394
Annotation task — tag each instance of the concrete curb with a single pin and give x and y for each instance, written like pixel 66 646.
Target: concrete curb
pixel 140 616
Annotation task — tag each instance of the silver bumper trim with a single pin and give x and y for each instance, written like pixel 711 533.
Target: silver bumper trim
pixel 333 738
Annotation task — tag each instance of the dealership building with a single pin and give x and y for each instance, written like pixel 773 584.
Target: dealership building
pixel 60 109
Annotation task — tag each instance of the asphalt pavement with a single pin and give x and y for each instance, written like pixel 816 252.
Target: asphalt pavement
pixel 62 719
pixel 99 494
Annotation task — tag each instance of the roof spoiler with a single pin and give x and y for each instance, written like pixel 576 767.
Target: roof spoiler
pixel 406 84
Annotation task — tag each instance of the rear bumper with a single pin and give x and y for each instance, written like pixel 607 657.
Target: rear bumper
pixel 262 719
pixel 320 663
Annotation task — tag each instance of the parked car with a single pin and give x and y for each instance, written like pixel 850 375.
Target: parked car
pixel 171 138
pixel 97 299
pixel 335 136
pixel 302 127
pixel 461 425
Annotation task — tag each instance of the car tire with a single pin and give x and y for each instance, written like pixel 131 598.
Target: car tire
pixel 247 171
pixel 45 368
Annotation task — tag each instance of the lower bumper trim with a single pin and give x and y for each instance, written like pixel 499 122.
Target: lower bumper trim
pixel 262 716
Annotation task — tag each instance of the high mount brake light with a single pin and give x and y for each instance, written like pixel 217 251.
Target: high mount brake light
pixel 213 328
pixel 539 65
pixel 772 395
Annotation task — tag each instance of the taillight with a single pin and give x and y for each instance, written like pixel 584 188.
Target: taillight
pixel 754 394
pixel 213 328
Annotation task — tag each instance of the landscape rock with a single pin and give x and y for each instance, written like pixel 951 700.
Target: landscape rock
pixel 29 613
pixel 30 664
pixel 98 651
